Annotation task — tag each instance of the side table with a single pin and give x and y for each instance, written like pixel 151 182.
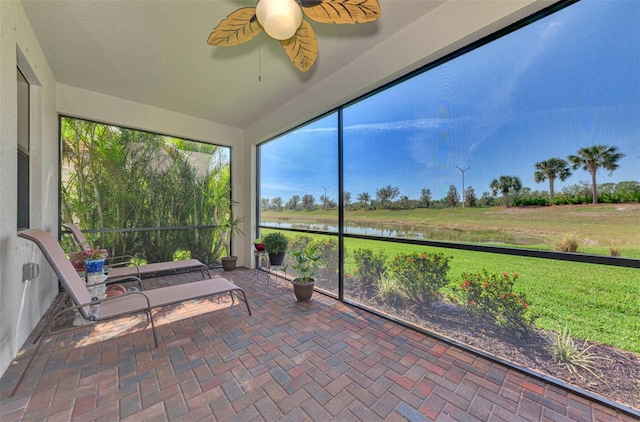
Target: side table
pixel 262 261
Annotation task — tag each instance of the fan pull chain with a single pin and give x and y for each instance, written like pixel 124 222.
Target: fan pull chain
pixel 259 64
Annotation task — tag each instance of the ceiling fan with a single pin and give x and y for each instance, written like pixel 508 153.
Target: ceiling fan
pixel 283 21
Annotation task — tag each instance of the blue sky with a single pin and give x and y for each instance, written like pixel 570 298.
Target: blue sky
pixel 567 81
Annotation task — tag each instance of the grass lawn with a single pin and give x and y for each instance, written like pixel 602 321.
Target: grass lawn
pixel 598 303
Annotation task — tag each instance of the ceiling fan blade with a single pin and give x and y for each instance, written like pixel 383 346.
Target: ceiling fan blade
pixel 237 28
pixel 302 48
pixel 342 11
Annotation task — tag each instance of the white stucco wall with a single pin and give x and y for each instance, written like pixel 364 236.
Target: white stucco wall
pixel 23 302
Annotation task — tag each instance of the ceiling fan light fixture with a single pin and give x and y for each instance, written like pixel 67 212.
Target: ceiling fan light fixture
pixel 279 18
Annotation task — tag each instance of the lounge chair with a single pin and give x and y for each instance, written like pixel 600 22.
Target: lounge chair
pixel 124 270
pixel 119 306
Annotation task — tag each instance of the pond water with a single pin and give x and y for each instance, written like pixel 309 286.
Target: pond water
pixel 445 233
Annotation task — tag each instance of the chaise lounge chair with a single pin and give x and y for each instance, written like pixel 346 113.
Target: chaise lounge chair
pixel 124 270
pixel 119 306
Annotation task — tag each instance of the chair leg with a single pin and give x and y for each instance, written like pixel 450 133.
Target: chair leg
pixel 153 327
pixel 61 304
pixel 243 298
pixel 204 269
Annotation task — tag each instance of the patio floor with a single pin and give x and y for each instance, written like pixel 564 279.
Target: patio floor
pixel 318 361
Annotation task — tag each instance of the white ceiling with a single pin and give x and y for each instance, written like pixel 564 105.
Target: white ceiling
pixel 155 52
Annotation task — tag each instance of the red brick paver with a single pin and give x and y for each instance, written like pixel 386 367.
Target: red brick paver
pixel 294 361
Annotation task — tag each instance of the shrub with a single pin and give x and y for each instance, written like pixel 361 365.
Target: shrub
pixel 566 352
pixel 533 201
pixel 568 242
pixel 387 289
pixel 328 267
pixel 491 296
pixel 275 242
pixel 420 275
pixel 370 268
pixel 298 243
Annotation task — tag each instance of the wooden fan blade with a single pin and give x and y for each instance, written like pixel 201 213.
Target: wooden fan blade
pixel 237 28
pixel 342 11
pixel 302 48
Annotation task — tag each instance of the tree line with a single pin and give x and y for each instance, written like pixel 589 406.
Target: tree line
pixel 590 159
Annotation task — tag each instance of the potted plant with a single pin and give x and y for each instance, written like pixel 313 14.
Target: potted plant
pixel 306 264
pixel 90 260
pixel 229 229
pixel 276 244
pixel 259 244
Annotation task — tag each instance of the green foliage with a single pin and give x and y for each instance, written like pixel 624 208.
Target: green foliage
pixel 306 263
pixel 298 243
pixel 530 201
pixel 506 185
pixel 568 242
pixel 275 242
pixel 566 352
pixel 387 289
pixel 327 269
pixel 491 296
pixel 370 268
pixel 593 158
pixel 420 275
pixel 126 179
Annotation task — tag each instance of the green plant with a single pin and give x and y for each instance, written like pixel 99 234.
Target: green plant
pixel 328 265
pixel 491 296
pixel 568 242
pixel 370 267
pixel 387 289
pixel 420 275
pixel 275 242
pixel 91 254
pixel 306 263
pixel 565 351
pixel 229 229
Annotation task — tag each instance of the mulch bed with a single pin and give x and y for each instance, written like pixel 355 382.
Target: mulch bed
pixel 618 371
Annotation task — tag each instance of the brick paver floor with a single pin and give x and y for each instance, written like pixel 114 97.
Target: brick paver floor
pixel 318 361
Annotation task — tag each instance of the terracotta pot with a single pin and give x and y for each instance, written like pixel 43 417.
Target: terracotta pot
pixel 303 291
pixel 229 263
pixel 115 290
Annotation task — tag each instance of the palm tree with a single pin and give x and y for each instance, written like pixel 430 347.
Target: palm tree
pixel 506 184
pixel 552 169
pixel 364 198
pixel 594 157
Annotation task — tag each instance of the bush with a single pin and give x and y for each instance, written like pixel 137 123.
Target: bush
pixel 275 242
pixel 533 201
pixel 420 275
pixel 328 267
pixel 298 243
pixel 568 242
pixel 566 352
pixel 387 289
pixel 370 268
pixel 491 296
